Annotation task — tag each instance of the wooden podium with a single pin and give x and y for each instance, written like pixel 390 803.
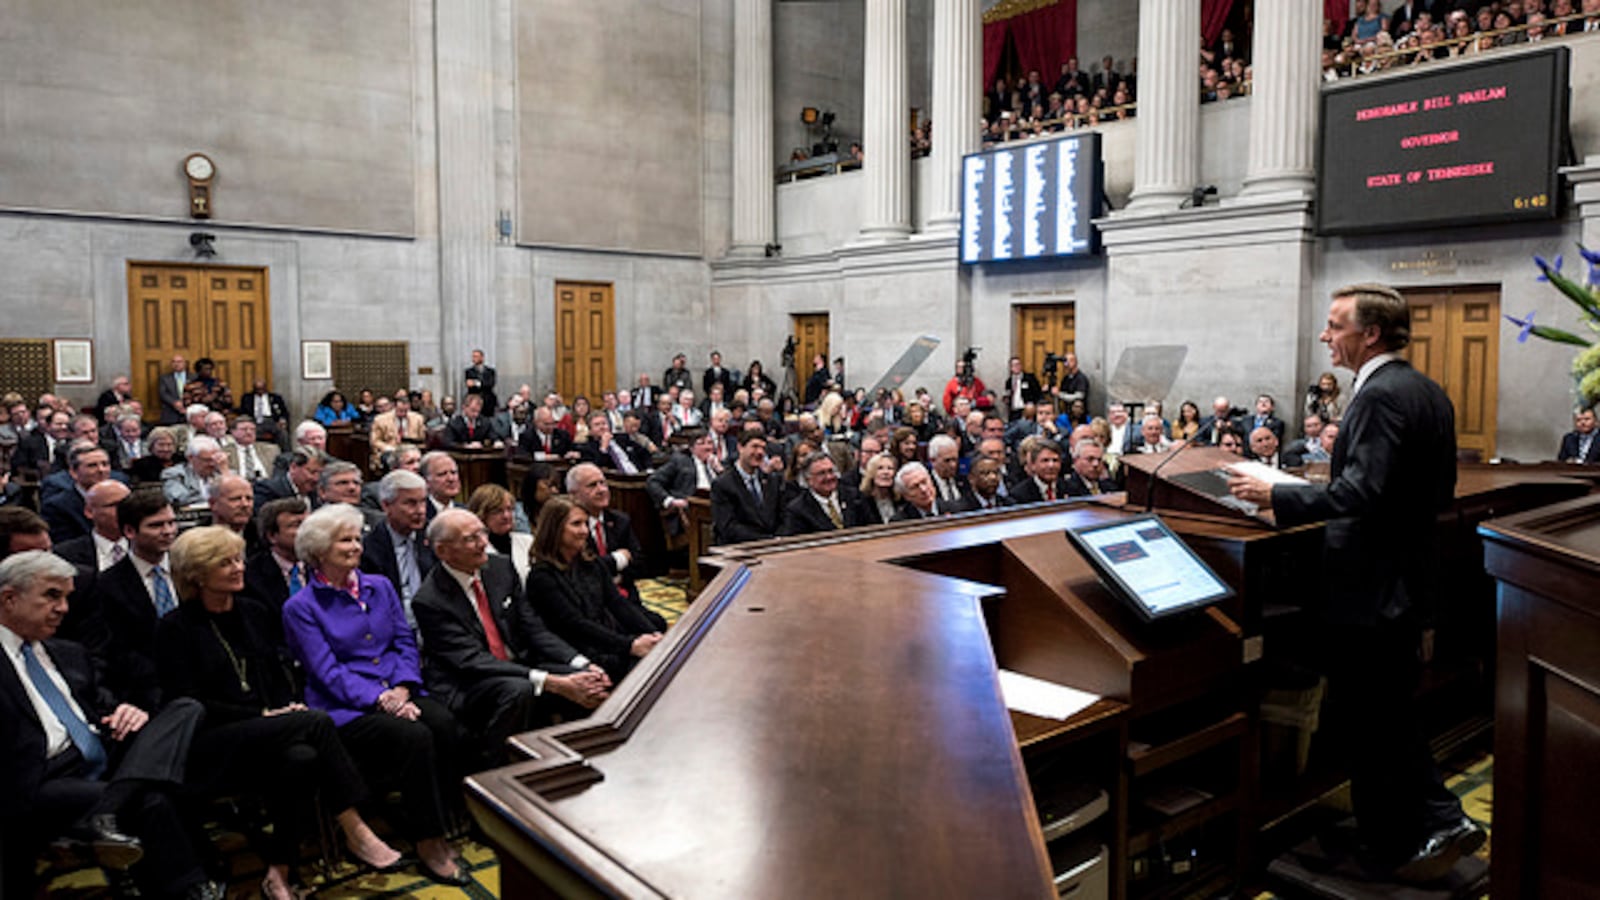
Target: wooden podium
pixel 826 721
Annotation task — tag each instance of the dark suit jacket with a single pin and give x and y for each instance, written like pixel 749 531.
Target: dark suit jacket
pixel 683 378
pixel 1027 490
pixel 1393 470
pixel 620 536
pixel 22 737
pixel 1247 424
pixel 1030 390
pixel 1206 436
pixel 560 442
pixel 33 452
pixel 906 512
pixel 584 607
pixel 972 503
pixel 377 557
pixel 1569 449
pixel 63 512
pixel 193 663
pixel 591 452
pixel 264 581
pixel 485 376
pixel 247 407
pixel 168 393
pixel 724 377
pixel 1077 487
pixel 804 515
pixel 274 488
pixel 455 650
pixel 129 615
pixel 736 515
pixel 458 432
pixel 677 477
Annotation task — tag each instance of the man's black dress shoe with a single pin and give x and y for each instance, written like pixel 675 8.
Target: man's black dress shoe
pixel 1440 852
pixel 461 879
pixel 207 890
pixel 113 849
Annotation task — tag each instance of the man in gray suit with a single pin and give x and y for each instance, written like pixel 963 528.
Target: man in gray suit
pixel 170 390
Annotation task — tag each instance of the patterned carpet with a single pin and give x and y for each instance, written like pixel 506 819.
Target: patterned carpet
pixel 75 879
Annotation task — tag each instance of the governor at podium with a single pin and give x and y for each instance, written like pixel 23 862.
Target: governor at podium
pixel 1393 471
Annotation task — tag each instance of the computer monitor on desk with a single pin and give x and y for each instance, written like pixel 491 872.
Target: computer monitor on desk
pixel 1148 567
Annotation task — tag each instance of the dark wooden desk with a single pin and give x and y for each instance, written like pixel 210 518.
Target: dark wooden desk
pixel 341 443
pixel 825 721
pixel 480 467
pixel 1547 701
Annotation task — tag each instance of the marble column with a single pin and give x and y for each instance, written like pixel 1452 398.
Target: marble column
pixel 753 162
pixel 957 99
pixel 1283 111
pixel 1167 149
pixel 464 81
pixel 886 125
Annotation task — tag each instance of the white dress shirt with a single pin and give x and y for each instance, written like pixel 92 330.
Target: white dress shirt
pixel 145 569
pixel 465 580
pixel 56 739
pixel 105 552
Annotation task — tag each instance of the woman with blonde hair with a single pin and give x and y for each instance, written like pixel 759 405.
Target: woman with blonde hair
pixel 831 415
pixel 496 509
pixel 216 648
pixel 361 664
pixel 876 504
pixel 1323 398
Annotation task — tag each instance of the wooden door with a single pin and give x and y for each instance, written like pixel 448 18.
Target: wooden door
pixel 810 338
pixel 195 311
pixel 1040 330
pixel 585 346
pixel 1455 341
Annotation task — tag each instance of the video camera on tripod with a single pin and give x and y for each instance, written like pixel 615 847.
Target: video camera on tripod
pixel 968 358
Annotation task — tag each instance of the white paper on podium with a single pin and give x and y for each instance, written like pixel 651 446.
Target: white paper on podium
pixel 1045 699
pixel 1265 472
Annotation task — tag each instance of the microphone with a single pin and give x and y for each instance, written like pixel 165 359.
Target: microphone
pixel 1150 495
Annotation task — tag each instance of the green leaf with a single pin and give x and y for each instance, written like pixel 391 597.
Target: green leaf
pixel 1575 292
pixel 1559 336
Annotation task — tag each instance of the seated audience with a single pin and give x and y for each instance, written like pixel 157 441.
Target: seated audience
pixel 541 483
pixel 161 454
pixel 681 477
pixel 443 476
pixel 127 443
pixel 217 648
pixel 252 459
pixel 1264 447
pixel 332 409
pixel 135 593
pixel 984 479
pixel 746 499
pixel 349 633
pixel 233 507
pixel 267 410
pixel 117 789
pixel 876 503
pixel 486 654
pixel 395 548
pixel 544 440
pixel 1231 441
pixel 205 389
pixel 104 546
pixel 397 426
pixel 610 530
pixel 497 509
pixel 1088 477
pixel 944 463
pixel 1579 445
pixel 65 511
pixel 1151 436
pixel 470 430
pixel 918 499
pixel 191 483
pixel 616 452
pixel 302 469
pixel 1045 481
pixel 573 590
pixel 273 574
pixel 1220 420
pixel 819 507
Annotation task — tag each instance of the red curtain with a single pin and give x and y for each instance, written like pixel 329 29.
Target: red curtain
pixel 994 48
pixel 1044 39
pixel 1214 15
pixel 1338 12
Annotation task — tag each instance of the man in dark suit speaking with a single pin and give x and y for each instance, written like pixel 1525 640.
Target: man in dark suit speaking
pixel 1393 470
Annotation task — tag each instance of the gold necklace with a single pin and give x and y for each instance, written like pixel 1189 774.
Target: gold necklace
pixel 237 663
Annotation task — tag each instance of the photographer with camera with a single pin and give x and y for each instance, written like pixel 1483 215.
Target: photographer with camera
pixel 1021 388
pixel 965 383
pixel 1322 398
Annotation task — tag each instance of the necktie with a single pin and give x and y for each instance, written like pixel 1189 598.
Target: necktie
pixel 164 601
pixel 131 450
pixel 89 746
pixel 405 555
pixel 600 537
pixel 702 477
pixel 754 483
pixel 1583 447
pixel 117 553
pixel 1050 491
pixel 295 582
pixel 624 464
pixel 490 630
pixel 252 465
pixel 833 513
pixel 263 408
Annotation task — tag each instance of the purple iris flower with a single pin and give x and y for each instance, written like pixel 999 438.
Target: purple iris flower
pixel 1525 324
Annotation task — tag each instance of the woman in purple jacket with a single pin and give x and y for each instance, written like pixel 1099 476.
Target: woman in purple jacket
pixel 349 632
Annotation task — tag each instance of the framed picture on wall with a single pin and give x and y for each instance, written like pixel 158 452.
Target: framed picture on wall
pixel 74 361
pixel 316 360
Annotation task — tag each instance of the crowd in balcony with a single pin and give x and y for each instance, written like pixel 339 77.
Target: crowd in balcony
pixel 1415 33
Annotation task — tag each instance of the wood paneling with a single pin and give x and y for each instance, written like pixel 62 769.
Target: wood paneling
pixel 1040 330
pixel 1455 341
pixel 195 311
pixel 810 338
pixel 380 366
pixel 586 361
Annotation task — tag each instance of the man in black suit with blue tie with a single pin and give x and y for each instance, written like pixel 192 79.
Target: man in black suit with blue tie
pixel 1393 471
pixel 78 761
pixel 1579 445
pixel 746 500
pixel 397 548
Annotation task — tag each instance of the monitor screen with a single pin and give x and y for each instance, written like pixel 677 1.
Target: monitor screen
pixel 1456 145
pixel 1031 201
pixel 1148 566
